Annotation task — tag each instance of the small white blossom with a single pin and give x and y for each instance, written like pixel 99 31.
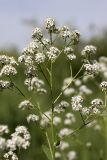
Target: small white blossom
pixel 91 68
pixel 8 70
pixel 53 53
pixel 65 132
pixel 26 104
pixel 2 143
pixel 77 103
pixel 57 155
pixel 63 145
pixel 32 118
pixel 103 86
pixel 4 84
pixel 88 50
pixel 65 32
pixel 72 155
pixel 4 129
pixel 50 24
pixel 37 33
pixel 39 58
pixel 10 155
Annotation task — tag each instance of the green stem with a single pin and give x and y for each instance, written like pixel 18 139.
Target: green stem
pixel 47 137
pixel 52 117
pixel 60 94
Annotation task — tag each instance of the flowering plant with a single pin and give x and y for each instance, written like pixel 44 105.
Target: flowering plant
pixel 58 122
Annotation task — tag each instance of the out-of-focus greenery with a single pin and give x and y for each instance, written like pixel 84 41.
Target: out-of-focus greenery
pixel 11 115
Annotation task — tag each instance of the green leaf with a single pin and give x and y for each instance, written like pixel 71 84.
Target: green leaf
pixel 47 152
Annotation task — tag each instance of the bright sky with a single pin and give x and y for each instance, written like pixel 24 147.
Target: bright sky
pixel 80 13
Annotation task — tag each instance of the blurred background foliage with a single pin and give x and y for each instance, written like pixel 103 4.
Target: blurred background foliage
pixel 11 115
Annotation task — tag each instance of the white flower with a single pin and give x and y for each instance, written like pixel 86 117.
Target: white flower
pixel 103 86
pixel 37 33
pixel 8 70
pixel 53 53
pixel 2 143
pixel 4 129
pixel 65 132
pixel 26 104
pixel 50 24
pixel 85 111
pixel 85 90
pixel 63 145
pixel 39 58
pixel 65 32
pixel 7 60
pixel 97 103
pixel 57 155
pixel 4 84
pixel 56 120
pixel 77 103
pixel 89 49
pixel 10 155
pixel 33 118
pixel 91 68
pixel 72 155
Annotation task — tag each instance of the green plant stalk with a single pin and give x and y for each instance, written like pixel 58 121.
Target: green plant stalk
pixel 47 137
pixel 52 117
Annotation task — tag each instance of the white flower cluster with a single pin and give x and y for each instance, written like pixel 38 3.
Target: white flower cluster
pixel 35 84
pixel 7 60
pixel 2 143
pixel 70 53
pixel 45 119
pixel 39 58
pixel 4 84
pixel 32 118
pixel 103 86
pixel 19 139
pixel 88 50
pixel 72 155
pixel 53 53
pixel 26 104
pixel 50 24
pixel 77 103
pixel 91 68
pixel 69 119
pixel 4 129
pixel 61 107
pixel 65 132
pixel 65 32
pixel 8 70
pixel 10 156
pixel 37 33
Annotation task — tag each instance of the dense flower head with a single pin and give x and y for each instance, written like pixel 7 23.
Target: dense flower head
pixel 32 118
pixel 5 84
pixel 39 58
pixel 91 68
pixel 97 103
pixel 65 32
pixel 88 50
pixel 76 102
pixel 103 86
pixel 4 59
pixel 8 70
pixel 53 53
pixel 37 33
pixel 26 104
pixel 10 156
pixel 50 24
pixel 4 129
